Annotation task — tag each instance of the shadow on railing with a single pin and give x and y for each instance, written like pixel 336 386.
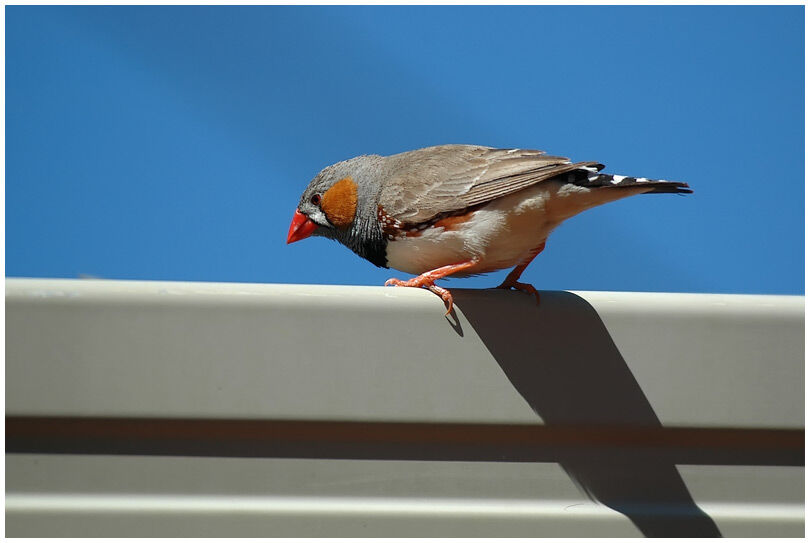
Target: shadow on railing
pixel 561 359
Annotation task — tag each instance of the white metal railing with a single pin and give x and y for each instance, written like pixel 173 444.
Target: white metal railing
pixel 171 400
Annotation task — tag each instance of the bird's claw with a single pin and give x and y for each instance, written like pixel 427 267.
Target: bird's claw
pixel 523 287
pixel 424 282
pixel 445 296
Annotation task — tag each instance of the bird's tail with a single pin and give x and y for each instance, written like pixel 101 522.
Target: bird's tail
pixel 589 176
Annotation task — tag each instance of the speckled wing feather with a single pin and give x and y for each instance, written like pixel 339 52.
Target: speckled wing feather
pixel 448 178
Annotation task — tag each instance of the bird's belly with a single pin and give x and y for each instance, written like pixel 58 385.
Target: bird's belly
pixel 499 235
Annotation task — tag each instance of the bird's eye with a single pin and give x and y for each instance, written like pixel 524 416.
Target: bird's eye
pixel 316 199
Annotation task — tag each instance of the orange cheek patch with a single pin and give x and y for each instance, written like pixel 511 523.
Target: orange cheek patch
pixel 340 203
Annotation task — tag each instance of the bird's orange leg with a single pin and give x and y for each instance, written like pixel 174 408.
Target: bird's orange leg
pixel 511 280
pixel 428 279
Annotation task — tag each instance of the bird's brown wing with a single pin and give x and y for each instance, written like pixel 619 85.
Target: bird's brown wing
pixel 428 182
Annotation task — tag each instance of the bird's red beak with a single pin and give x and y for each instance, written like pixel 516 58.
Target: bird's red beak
pixel 301 227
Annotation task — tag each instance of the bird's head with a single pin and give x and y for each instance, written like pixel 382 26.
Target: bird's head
pixel 333 201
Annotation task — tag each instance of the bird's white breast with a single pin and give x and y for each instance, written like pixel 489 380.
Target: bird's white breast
pixel 502 233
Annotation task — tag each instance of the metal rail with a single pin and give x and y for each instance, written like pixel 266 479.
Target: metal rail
pixel 157 408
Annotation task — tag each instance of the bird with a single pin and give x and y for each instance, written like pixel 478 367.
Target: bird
pixel 456 210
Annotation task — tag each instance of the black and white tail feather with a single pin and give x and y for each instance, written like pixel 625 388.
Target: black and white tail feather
pixel 590 176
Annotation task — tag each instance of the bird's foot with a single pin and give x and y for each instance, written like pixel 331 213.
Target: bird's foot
pixel 425 281
pixel 524 287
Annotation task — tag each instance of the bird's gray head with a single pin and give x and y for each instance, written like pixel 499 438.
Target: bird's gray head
pixel 340 203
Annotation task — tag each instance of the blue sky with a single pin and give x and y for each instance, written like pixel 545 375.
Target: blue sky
pixel 172 143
